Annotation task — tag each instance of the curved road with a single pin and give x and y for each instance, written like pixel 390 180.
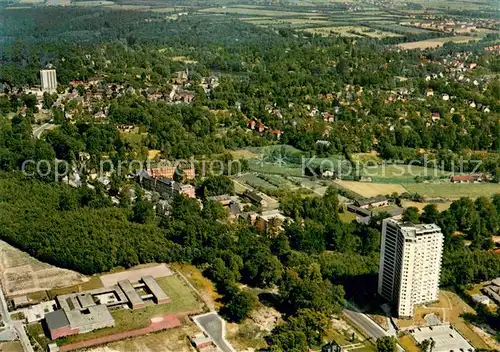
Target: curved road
pixel 38 130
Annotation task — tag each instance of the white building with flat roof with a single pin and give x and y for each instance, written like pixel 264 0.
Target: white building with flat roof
pixel 410 264
pixel 48 79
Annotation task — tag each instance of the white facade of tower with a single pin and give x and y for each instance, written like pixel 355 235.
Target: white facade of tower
pixel 48 79
pixel 410 264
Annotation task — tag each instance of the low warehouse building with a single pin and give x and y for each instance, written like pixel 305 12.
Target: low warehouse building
pixel 62 322
pixel 58 324
pixel 152 286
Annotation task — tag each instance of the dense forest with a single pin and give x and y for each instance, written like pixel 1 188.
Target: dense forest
pixel 274 76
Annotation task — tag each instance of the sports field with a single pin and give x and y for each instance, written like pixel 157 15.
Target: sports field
pixel 453 191
pixel 397 171
pixel 429 190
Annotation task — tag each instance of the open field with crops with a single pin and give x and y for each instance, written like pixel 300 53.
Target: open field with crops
pixel 370 21
pixel 369 189
pixel 253 11
pixel 437 42
pixel 22 274
pixel 256 182
pixel 274 168
pixel 453 191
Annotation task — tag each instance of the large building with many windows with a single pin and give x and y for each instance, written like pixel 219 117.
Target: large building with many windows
pixel 410 264
pixel 49 79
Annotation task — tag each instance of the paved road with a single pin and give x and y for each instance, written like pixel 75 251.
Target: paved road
pixel 365 324
pixel 14 324
pixel 38 130
pixel 214 326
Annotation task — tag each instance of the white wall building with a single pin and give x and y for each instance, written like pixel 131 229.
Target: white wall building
pixel 410 264
pixel 48 79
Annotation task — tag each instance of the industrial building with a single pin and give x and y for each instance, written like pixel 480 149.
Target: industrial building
pixel 410 264
pixel 87 311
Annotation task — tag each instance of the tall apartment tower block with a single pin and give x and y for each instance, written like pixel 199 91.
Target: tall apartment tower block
pixel 49 79
pixel 410 265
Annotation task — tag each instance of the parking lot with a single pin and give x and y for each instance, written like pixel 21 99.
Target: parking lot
pixel 446 338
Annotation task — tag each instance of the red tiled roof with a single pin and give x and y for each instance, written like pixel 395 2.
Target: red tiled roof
pixel 462 178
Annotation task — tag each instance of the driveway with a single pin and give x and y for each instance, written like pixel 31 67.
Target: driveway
pixel 215 327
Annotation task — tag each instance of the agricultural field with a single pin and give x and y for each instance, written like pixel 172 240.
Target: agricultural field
pixel 368 189
pixel 334 21
pixel 254 11
pixel 256 182
pixel 244 154
pixel 275 168
pixel 436 42
pixel 399 28
pixel 351 31
pixel 459 4
pixel 166 9
pixel 22 274
pixel 277 180
pixel 127 7
pixel 344 31
pixel 453 191
pixel 93 3
pixel 293 22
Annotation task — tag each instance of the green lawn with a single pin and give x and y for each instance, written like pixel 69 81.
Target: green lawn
pixel 38 296
pixel 93 283
pixel 35 333
pixel 17 316
pixel 451 190
pixel 347 216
